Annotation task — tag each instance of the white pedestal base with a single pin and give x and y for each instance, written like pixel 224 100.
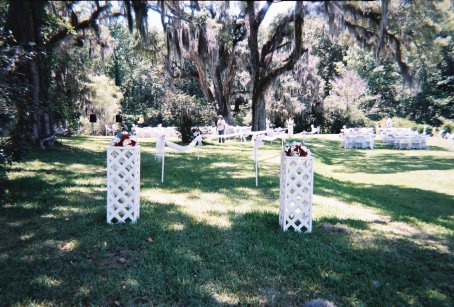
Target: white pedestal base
pixel 296 189
pixel 123 184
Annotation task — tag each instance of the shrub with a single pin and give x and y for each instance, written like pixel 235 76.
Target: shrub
pixel 12 149
pixel 420 129
pixel 188 111
pixel 448 127
pixel 238 120
pixel 403 123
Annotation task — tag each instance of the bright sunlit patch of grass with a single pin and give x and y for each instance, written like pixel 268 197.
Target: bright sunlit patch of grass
pixel 46 281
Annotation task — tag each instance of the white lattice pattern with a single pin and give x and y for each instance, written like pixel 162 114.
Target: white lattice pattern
pixel 123 184
pixel 296 189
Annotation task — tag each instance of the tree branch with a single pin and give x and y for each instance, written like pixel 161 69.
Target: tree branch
pixel 90 22
pixel 129 14
pixel 360 32
pixel 384 19
pixel 296 53
pixel 262 13
pixel 276 39
pixel 164 14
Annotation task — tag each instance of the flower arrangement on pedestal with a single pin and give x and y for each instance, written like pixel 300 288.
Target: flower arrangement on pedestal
pixel 123 139
pixel 296 150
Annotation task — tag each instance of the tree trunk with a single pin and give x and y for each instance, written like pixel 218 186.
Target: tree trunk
pixel 34 76
pixel 222 98
pixel 25 22
pixel 258 102
pixel 262 75
pixel 258 112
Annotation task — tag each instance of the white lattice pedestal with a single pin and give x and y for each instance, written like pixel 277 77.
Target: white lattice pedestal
pixel 296 189
pixel 123 184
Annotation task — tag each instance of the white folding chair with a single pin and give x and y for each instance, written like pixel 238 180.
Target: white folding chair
pixel 359 141
pixel 369 141
pixel 342 139
pixel 404 143
pixel 416 142
pixel 348 141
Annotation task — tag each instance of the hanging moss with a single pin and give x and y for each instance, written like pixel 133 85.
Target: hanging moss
pixel 368 28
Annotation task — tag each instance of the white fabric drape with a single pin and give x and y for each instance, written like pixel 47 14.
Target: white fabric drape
pixel 183 148
pixel 257 140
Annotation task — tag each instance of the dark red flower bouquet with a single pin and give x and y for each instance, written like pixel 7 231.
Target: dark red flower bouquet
pixel 296 150
pixel 123 139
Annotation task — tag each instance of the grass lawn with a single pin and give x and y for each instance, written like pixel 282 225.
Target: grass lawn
pixel 216 238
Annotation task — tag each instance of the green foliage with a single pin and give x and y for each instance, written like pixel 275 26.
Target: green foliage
pixel 13 99
pixel 104 99
pixel 342 105
pixel 424 129
pixel 286 99
pixel 402 122
pixel 431 57
pixel 435 97
pixel 448 127
pixel 329 53
pixel 383 82
pixel 187 111
pixel 12 149
pixel 190 86
pixel 54 23
pixel 141 82
pixel 68 90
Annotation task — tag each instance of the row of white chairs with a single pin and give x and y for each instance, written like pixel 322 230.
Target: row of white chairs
pixel 410 142
pixel 365 140
pixel 390 139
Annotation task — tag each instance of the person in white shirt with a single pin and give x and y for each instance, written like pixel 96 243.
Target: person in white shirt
pixel 220 126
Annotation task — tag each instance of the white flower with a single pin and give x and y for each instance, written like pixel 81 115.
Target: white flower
pixel 126 143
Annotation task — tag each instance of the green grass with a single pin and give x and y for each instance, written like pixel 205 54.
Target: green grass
pixel 216 236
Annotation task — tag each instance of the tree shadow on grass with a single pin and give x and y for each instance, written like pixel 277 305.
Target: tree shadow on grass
pixel 224 174
pixel 183 173
pixel 383 162
pixel 404 204
pixel 43 192
pixel 56 248
pixel 194 263
pixel 63 156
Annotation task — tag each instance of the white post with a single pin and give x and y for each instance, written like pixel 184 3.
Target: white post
pixel 256 167
pixel 162 170
pixel 199 145
pixel 256 143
